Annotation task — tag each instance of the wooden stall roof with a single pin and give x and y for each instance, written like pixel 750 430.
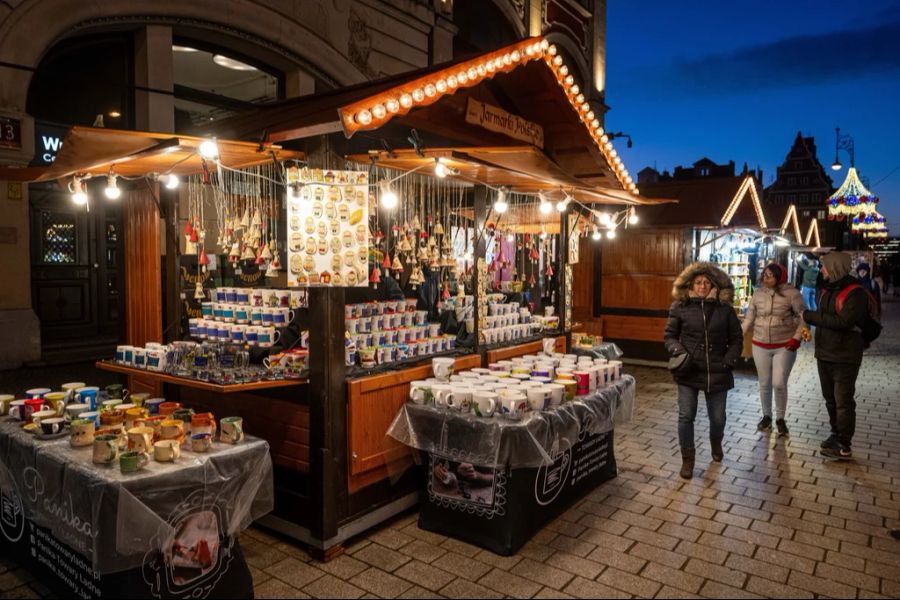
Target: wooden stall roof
pixel 523 169
pixel 533 90
pixel 94 151
pixel 524 219
pixel 703 203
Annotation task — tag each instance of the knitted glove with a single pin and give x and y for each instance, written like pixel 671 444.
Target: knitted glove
pixel 793 344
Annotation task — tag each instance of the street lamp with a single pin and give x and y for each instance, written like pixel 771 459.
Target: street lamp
pixel 619 134
pixel 842 142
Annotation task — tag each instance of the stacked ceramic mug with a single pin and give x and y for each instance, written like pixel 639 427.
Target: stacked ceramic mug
pixel 507 322
pixel 152 357
pixel 386 332
pixel 512 388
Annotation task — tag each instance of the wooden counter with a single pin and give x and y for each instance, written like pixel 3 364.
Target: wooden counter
pixel 537 347
pixel 373 403
pixel 196 383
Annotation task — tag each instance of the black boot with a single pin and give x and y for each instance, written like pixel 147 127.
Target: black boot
pixel 716 450
pixel 687 462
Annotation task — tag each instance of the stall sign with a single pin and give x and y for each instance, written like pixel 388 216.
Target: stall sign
pixel 10 133
pixel 498 120
pixel 328 229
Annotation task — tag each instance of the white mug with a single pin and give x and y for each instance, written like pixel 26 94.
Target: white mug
pixel 256 297
pixel 557 393
pixel 267 336
pixel 269 297
pixel 484 403
pixel 441 391
pixel 420 392
pixel 460 399
pixel 513 404
pixel 443 367
pixel 538 397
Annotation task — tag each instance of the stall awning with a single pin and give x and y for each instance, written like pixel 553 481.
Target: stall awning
pixel 522 169
pixel 94 151
pixel 523 92
pixel 525 219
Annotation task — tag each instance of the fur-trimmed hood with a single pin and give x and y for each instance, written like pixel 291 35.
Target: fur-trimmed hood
pixel 723 288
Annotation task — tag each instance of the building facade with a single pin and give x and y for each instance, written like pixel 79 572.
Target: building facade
pixel 801 180
pixel 145 65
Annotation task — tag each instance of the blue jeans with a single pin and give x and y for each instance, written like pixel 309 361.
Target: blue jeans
pixel 687 412
pixel 809 297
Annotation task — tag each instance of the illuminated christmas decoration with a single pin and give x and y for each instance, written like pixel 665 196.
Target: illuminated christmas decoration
pixel 747 185
pixel 870 221
pixel 789 218
pixel 812 235
pixel 851 198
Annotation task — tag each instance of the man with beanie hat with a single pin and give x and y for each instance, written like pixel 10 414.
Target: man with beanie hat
pixel 839 349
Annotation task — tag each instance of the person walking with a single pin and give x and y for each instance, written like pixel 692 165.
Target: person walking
pixel 810 266
pixel 839 349
pixel 775 319
pixel 868 283
pixel 703 325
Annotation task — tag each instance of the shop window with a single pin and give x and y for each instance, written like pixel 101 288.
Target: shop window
pixel 58 240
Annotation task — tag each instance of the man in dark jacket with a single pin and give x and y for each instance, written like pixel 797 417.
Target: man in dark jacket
pixel 703 324
pixel 839 350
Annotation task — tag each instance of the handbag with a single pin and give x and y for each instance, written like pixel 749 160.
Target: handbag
pixel 680 363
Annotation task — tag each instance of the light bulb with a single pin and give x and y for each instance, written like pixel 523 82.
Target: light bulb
pixel 441 85
pixel 500 206
pixel 389 199
pixel 364 117
pixel 112 189
pixel 406 100
pixel 611 234
pixel 564 70
pixel 393 106
pixel 546 206
pixel 172 181
pixel 491 66
pixel 451 82
pixel 604 218
pixel 580 99
pixel 557 60
pixel 430 90
pixel 440 169
pixel 480 70
pixel 209 149
pixel 79 196
pixel 561 205
pixel 462 78
pixel 516 56
pixel 575 89
pixel 418 95
pixel 633 218
pixel 545 45
pixel 596 235
pixel 551 50
pixel 378 111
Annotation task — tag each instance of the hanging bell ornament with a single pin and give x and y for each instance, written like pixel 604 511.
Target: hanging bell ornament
pixel 416 224
pixel 549 271
pixel 386 262
pixel 248 253
pixel 265 252
pixel 396 265
pixel 378 237
pixel 274 267
pixel 203 260
pixel 235 253
pixel 193 236
pixel 257 218
pixel 535 256
pixel 245 220
pixel 375 277
pixel 188 228
pixel 259 259
pixel 439 229
pixel 189 246
pixel 395 229
pixel 445 293
pixel 198 291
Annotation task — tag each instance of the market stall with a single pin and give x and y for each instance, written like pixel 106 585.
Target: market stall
pixel 394 259
pixel 168 529
pixel 714 219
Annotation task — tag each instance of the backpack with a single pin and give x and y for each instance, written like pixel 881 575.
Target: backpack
pixel 871 325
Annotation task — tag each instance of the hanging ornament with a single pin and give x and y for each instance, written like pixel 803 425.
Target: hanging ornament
pixel 535 256
pixel 235 253
pixel 395 229
pixel 274 268
pixel 378 237
pixel 257 219
pixel 396 265
pixel 194 237
pixel 248 253
pixel 203 260
pixel 266 252
pixel 245 220
pixel 445 293
pixel 375 277
pixel 416 224
pixel 532 280
pixel 549 271
pixel 439 229
pixel 188 228
pixel 386 262
pixel 198 291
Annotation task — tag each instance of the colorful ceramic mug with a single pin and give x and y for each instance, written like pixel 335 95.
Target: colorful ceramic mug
pixel 106 449
pixel 132 461
pixel 232 430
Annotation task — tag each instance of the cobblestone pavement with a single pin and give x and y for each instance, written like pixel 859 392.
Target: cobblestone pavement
pixel 773 519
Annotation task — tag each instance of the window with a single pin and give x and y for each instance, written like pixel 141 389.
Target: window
pixel 821 214
pixel 704 171
pixel 58 243
pixel 804 198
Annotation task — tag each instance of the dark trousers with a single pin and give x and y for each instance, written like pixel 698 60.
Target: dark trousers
pixel 687 412
pixel 838 387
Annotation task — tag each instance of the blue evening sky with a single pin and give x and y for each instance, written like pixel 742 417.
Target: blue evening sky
pixel 736 80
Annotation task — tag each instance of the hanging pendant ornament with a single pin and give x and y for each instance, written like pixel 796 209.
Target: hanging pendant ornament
pixel 375 277
pixel 274 267
pixel 203 261
pixel 439 229
pixel 395 229
pixel 396 265
pixel 188 228
pixel 386 263
pixel 248 253
pixel 257 219
pixel 198 291
pixel 535 256
pixel 445 293
pixel 266 252
pixel 235 253
pixel 416 224
pixel 532 280
pixel 378 237
pixel 245 220
pixel 549 271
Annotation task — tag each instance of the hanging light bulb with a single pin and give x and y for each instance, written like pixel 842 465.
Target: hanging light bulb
pixel 389 199
pixel 604 218
pixel 546 206
pixel 79 195
pixel 501 205
pixel 112 190
pixel 632 216
pixel 596 236
pixel 440 169
pixel 611 234
pixel 171 181
pixel 209 149
pixel 564 203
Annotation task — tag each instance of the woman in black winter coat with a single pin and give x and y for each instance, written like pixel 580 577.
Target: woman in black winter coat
pixel 702 323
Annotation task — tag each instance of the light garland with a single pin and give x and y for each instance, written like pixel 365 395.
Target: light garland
pixel 791 216
pixel 747 184
pixel 871 221
pixel 813 233
pixel 851 198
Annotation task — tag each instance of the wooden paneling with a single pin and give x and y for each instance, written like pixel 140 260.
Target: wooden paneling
pixel 637 291
pixel 374 402
pixel 523 349
pixel 143 286
pixel 583 273
pixel 283 424
pixel 656 252
pixel 633 328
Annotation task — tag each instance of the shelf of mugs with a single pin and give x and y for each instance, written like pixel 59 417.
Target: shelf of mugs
pixel 392 332
pixel 510 389
pixel 227 388
pixel 254 297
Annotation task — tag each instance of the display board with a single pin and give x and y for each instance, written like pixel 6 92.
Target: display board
pixel 328 228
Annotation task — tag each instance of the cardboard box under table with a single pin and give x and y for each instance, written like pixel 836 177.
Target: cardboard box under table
pixel 167 530
pixel 495 482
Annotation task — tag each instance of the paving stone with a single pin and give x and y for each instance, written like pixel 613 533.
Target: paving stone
pixel 617 559
pixel 714 589
pixel 419 592
pixel 510 583
pixel 633 584
pixel 718 573
pixel 425 575
pixel 380 583
pixel 543 573
pixel 462 566
pixel 422 551
pixel 343 567
pixel 276 588
pixel 295 572
pixel 585 588
pixel 462 588
pixel 575 565
pixel 674 578
pixel 390 538
pixel 771 589
pixel 381 557
pixel 332 587
pixel 820 586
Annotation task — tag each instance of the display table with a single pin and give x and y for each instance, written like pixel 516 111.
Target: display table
pixel 170 529
pixel 495 482
pixel 607 350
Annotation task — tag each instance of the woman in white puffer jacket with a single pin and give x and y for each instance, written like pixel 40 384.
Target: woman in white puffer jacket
pixel 775 318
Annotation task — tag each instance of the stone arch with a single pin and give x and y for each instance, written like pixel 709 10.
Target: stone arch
pixel 275 33
pixel 513 18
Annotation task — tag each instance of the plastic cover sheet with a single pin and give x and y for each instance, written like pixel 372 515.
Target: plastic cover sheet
pixel 531 442
pixel 607 350
pixel 121 521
